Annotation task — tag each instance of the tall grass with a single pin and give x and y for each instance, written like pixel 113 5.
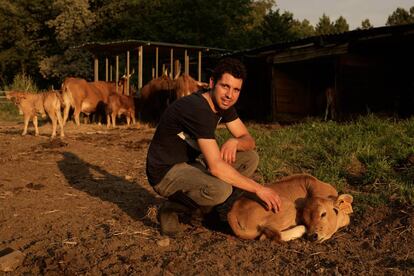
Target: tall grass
pixel 21 82
pixel 372 156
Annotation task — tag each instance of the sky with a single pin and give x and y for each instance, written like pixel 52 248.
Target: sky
pixel 354 11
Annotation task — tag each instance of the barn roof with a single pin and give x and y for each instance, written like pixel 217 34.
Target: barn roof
pixel 331 44
pixel 120 47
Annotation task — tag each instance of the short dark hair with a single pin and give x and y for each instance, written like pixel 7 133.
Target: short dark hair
pixel 231 66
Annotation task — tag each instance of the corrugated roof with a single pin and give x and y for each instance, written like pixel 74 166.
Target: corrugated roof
pixel 337 38
pixel 120 47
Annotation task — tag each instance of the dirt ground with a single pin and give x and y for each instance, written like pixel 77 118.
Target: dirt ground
pixel 83 206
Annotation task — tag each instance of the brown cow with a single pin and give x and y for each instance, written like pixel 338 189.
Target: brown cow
pixel 308 205
pixel 185 85
pixel 85 96
pixel 31 105
pixel 120 105
pixel 157 94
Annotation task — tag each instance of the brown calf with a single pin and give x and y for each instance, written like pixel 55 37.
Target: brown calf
pixel 120 105
pixel 308 206
pixel 33 104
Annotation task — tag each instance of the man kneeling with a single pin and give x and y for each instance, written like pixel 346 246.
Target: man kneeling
pixel 185 163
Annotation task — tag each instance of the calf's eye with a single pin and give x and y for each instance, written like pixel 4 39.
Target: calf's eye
pixel 323 214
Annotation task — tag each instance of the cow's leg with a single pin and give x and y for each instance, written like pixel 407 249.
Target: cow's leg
pixel 293 233
pixel 76 115
pixel 128 119
pixel 26 124
pixel 327 111
pixel 60 122
pixel 66 113
pixel 113 115
pixel 54 124
pixel 108 121
pixel 35 125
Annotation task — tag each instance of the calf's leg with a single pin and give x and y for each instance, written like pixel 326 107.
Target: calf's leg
pixel 26 124
pixel 35 125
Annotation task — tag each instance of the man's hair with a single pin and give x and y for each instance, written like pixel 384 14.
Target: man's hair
pixel 231 66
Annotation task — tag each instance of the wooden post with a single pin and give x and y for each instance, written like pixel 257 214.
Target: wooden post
pixel 96 69
pixel 185 62
pixel 171 62
pixel 153 73
pixel 117 72
pixel 199 65
pixel 177 66
pixel 110 73
pixel 126 89
pixel 106 69
pixel 140 58
pixel 156 62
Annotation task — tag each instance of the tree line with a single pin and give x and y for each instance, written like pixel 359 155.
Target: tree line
pixel 39 37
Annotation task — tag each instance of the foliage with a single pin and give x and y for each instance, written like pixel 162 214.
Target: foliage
pixel 325 26
pixel 371 156
pixel 366 24
pixel 401 16
pixel 341 25
pixel 303 28
pixel 40 37
pixel 22 82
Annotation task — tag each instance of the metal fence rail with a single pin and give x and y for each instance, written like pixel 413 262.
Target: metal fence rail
pixel 3 97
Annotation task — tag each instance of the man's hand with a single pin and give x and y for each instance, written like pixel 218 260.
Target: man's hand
pixel 271 198
pixel 228 150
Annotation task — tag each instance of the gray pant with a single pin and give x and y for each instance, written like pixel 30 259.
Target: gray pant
pixel 197 183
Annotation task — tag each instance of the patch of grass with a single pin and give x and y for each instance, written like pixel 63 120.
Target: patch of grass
pixel 372 155
pixel 9 112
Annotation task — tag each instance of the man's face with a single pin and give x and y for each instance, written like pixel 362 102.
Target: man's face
pixel 226 91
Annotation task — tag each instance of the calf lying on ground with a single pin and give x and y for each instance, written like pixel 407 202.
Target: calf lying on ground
pixel 31 105
pixel 308 206
pixel 120 105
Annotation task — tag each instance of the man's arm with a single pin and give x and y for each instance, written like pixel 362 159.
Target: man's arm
pixel 241 141
pixel 222 170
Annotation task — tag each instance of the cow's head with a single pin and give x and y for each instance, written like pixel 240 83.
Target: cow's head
pixel 15 97
pixel 324 216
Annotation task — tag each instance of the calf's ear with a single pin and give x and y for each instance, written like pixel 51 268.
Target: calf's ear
pixel 343 203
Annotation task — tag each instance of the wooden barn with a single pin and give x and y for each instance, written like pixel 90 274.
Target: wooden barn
pixel 370 70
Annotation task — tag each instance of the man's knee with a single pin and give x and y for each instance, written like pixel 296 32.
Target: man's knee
pixel 247 162
pixel 217 194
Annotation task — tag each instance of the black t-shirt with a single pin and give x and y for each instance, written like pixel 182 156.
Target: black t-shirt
pixel 175 140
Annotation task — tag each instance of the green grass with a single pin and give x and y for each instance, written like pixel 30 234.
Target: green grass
pixel 9 112
pixel 371 157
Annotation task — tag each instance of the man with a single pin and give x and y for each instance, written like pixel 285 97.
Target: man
pixel 185 163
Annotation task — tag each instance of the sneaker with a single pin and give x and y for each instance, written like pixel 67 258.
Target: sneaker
pixel 168 218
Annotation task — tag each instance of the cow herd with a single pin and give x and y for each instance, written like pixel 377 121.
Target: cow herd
pixel 103 99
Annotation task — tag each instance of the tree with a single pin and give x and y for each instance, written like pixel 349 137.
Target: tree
pixel 71 27
pixel 341 25
pixel 302 29
pixel 258 10
pixel 277 28
pixel 401 16
pixel 325 26
pixel 25 37
pixel 366 24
